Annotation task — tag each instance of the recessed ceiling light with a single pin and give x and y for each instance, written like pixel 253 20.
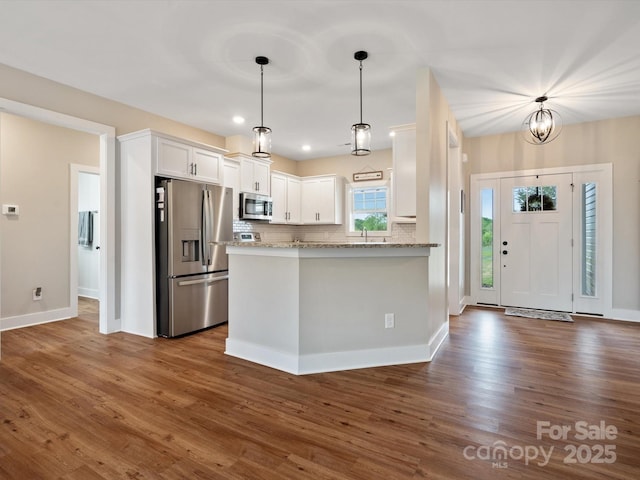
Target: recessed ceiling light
pixel 392 134
pixel 306 148
pixel 238 119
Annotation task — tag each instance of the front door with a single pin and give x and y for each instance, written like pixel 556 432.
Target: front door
pixel 536 242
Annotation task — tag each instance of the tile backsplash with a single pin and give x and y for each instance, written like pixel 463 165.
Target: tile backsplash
pixel 400 232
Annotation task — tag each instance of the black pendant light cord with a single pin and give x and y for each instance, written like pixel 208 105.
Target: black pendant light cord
pixel 262 95
pixel 360 91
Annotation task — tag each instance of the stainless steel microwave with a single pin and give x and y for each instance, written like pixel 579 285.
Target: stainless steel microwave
pixel 255 207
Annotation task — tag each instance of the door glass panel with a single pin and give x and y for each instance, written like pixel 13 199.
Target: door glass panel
pixel 535 199
pixel 589 239
pixel 486 196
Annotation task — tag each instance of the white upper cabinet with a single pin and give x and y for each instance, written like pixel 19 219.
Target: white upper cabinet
pixel 404 171
pixel 255 174
pixel 188 160
pixel 231 178
pixel 323 200
pixel 285 192
pixel 207 165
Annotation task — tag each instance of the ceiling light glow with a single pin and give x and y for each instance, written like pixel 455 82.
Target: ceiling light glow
pixel 238 120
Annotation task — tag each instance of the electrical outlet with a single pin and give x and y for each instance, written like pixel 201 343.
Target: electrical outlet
pixel 37 293
pixel 389 320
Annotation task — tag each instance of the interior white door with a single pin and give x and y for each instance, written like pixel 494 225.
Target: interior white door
pixel 89 255
pixel 536 242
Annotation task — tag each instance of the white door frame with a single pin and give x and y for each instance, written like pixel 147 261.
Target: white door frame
pixel 601 171
pixel 108 321
pixel 455 236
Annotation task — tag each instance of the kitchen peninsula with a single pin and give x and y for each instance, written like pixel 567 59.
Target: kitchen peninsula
pixel 318 307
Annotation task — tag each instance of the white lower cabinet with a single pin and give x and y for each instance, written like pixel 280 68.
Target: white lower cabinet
pixel 323 200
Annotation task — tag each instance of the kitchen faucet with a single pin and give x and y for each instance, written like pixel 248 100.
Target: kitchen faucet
pixel 364 234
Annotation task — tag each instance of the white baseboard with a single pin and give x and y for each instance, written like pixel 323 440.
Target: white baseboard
pixel 378 357
pixel 626 315
pixel 466 300
pixel 336 361
pixel 437 339
pixel 89 293
pixel 262 355
pixel 30 319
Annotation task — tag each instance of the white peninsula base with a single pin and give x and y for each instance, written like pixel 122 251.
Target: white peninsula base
pixel 309 308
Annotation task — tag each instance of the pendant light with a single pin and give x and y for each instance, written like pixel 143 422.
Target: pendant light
pixel 360 132
pixel 262 134
pixel 542 125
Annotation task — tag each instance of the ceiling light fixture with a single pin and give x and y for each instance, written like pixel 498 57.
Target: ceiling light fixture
pixel 542 125
pixel 360 132
pixel 238 120
pixel 262 134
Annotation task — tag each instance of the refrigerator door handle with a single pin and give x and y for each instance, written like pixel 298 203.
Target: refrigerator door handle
pixel 206 227
pixel 185 283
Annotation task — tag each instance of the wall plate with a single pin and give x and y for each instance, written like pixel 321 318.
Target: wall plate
pixel 10 209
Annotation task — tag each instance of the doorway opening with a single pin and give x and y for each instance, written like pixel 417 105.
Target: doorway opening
pixel 85 241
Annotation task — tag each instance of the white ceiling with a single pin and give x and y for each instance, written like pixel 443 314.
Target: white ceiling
pixel 193 61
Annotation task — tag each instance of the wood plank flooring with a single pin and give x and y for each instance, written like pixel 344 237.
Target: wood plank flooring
pixel 75 404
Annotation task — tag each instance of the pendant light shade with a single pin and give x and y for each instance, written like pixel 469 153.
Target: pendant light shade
pixel 360 132
pixel 262 134
pixel 542 125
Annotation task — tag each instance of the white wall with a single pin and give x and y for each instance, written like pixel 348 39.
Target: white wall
pixel 34 160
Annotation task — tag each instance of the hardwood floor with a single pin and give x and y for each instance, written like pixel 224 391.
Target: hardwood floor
pixel 89 309
pixel 75 404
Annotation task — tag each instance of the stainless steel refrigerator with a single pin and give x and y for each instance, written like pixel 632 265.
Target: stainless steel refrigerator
pixel 191 264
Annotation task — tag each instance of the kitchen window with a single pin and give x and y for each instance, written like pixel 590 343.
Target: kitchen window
pixel 367 205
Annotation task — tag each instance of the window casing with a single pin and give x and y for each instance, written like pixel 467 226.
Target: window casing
pixel 368 207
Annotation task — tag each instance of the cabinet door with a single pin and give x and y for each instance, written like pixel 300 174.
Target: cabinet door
pixel 261 177
pixel 231 178
pixel 248 183
pixel 279 196
pixel 174 159
pixel 326 200
pixel 309 208
pixel 404 173
pixel 207 165
pixel 294 192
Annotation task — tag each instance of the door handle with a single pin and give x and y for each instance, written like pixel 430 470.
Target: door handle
pixel 505 242
pixel 185 283
pixel 504 252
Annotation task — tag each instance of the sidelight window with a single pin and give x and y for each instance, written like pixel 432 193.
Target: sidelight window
pixel 487 263
pixel 589 239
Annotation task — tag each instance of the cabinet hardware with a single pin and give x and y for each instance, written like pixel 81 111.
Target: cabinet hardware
pixel 195 169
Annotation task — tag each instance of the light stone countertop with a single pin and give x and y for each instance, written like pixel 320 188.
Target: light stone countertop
pixel 330 244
